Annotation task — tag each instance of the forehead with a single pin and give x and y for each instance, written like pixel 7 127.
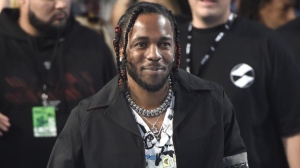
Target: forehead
pixel 152 24
pixel 47 2
pixel 215 1
pixel 44 3
pixel 40 1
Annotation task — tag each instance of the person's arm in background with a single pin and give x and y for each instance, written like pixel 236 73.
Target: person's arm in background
pixel 292 149
pixel 4 121
pixel 4 124
pixel 286 66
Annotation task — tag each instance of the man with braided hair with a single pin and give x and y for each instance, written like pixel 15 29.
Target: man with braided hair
pixel 152 114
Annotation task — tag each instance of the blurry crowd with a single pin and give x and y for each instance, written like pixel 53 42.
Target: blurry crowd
pixel 257 62
pixel 103 15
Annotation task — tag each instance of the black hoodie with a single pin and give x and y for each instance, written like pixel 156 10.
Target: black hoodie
pixel 81 65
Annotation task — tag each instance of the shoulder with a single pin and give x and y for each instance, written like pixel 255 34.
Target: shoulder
pixel 293 25
pixel 198 85
pixel 259 36
pixel 194 82
pixel 102 98
pixel 250 29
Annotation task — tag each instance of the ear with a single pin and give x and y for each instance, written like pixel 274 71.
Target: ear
pixel 121 53
pixel 174 57
pixel 120 49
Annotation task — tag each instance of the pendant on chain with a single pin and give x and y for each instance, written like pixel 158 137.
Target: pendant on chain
pixel 154 130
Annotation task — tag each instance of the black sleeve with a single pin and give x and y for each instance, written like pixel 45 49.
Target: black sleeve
pixel 283 87
pixel 235 155
pixel 67 151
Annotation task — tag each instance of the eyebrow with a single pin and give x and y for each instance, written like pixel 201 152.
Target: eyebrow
pixel 164 38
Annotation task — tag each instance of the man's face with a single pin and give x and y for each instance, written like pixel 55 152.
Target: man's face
pixel 277 13
pixel 48 15
pixel 209 9
pixel 150 51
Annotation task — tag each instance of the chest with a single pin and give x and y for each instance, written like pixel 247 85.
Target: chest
pixel 106 138
pixel 24 72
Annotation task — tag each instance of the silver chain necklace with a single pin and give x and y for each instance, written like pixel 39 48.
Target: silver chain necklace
pixel 155 112
pixel 153 128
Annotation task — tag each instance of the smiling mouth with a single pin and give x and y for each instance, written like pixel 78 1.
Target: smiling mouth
pixel 208 0
pixel 153 68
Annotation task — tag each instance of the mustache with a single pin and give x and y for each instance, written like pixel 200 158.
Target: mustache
pixel 62 12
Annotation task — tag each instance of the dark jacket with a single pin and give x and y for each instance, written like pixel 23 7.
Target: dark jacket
pixel 81 65
pixel 102 132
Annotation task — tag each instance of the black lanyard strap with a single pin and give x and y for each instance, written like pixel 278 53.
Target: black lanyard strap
pixel 211 49
pixel 44 67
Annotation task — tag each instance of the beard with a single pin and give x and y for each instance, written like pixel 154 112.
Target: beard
pixel 133 72
pixel 46 28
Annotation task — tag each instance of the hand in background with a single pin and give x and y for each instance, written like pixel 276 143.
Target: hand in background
pixel 4 124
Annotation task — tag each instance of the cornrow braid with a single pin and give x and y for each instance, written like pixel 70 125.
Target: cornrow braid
pixel 134 16
pixel 116 43
pixel 126 23
pixel 175 67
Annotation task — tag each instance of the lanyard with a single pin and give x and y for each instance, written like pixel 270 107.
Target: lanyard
pixel 211 49
pixel 44 68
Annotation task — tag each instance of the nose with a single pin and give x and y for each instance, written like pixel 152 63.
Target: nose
pixel 291 14
pixel 61 4
pixel 153 53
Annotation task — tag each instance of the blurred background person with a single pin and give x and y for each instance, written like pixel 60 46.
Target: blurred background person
pixel 271 13
pixel 121 6
pixel 257 71
pixel 88 13
pixel 49 62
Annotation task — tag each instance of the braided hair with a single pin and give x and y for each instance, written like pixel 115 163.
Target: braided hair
pixel 126 23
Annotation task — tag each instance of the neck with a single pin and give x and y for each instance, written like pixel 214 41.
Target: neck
pixel 145 99
pixel 211 21
pixel 26 26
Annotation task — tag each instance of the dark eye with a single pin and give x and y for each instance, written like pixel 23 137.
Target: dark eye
pixel 165 44
pixel 141 44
